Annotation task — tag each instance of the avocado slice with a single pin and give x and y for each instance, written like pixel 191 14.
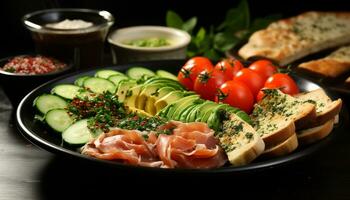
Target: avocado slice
pixel 184 114
pixel 179 105
pixel 147 91
pixel 132 98
pixel 123 88
pixel 183 106
pixel 206 112
pixel 168 99
pixel 150 101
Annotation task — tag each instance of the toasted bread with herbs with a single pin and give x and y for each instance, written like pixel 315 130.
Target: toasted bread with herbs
pixel 287 40
pixel 311 135
pixel 276 103
pixel 284 148
pixel 333 65
pixel 326 109
pixel 240 141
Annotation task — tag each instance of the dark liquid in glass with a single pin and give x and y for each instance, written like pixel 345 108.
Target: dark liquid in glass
pixel 85 50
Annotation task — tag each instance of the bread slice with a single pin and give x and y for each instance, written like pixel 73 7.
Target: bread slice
pixel 312 135
pixel 332 66
pixel 326 109
pixel 277 103
pixel 289 39
pixel 240 141
pixel 284 148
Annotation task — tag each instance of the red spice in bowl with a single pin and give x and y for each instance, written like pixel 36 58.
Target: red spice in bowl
pixel 33 65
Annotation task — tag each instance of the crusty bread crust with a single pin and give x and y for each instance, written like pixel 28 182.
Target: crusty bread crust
pixel 312 135
pixel 276 137
pixel 283 148
pixel 326 116
pixel 289 39
pixel 306 117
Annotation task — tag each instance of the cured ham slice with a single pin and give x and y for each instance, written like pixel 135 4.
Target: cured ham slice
pixel 192 145
pixel 187 145
pixel 127 146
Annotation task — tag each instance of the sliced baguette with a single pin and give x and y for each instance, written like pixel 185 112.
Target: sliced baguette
pixel 289 39
pixel 240 141
pixel 326 109
pixel 285 106
pixel 284 148
pixel 334 65
pixel 312 135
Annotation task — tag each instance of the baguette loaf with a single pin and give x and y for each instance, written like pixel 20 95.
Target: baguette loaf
pixel 289 39
pixel 334 65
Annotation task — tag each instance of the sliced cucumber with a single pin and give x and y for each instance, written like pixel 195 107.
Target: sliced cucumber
pixel 99 85
pixel 58 119
pixel 117 78
pixel 66 91
pixel 80 81
pixel 138 72
pixel 106 73
pixel 47 102
pixel 166 74
pixel 78 133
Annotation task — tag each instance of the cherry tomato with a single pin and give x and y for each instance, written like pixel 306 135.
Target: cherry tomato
pixel 208 82
pixel 237 95
pixel 284 82
pixel 264 68
pixel 189 72
pixel 260 96
pixel 251 79
pixel 229 66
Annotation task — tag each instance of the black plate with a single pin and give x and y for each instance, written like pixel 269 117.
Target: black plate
pixel 40 135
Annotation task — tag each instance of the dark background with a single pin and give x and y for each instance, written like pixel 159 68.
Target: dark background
pixel 15 39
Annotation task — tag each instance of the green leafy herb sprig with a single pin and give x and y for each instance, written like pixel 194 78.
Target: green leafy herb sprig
pixel 215 41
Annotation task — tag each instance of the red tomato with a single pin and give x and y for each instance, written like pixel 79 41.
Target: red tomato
pixel 229 66
pixel 251 79
pixel 208 82
pixel 189 72
pixel 283 81
pixel 264 68
pixel 260 96
pixel 237 95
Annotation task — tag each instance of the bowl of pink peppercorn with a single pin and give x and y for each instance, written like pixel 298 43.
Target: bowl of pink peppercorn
pixel 21 74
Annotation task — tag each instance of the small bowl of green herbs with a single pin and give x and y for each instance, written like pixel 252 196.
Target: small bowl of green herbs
pixel 143 43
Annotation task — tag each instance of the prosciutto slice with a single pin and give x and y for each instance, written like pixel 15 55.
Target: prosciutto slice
pixel 189 145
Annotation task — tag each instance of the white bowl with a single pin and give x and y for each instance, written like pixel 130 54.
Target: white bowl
pixel 123 53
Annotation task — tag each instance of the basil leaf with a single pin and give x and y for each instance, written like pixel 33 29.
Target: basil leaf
pixel 224 41
pixel 189 25
pixel 236 18
pixel 173 20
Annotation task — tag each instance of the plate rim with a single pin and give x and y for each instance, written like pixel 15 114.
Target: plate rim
pixel 261 165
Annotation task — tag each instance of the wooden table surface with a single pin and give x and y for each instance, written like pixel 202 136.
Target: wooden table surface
pixel 27 172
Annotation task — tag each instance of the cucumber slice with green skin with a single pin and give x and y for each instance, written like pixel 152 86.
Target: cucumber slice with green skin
pixel 66 91
pixel 78 133
pixel 117 78
pixel 138 72
pixel 58 119
pixel 166 74
pixel 47 102
pixel 99 85
pixel 80 81
pixel 106 73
